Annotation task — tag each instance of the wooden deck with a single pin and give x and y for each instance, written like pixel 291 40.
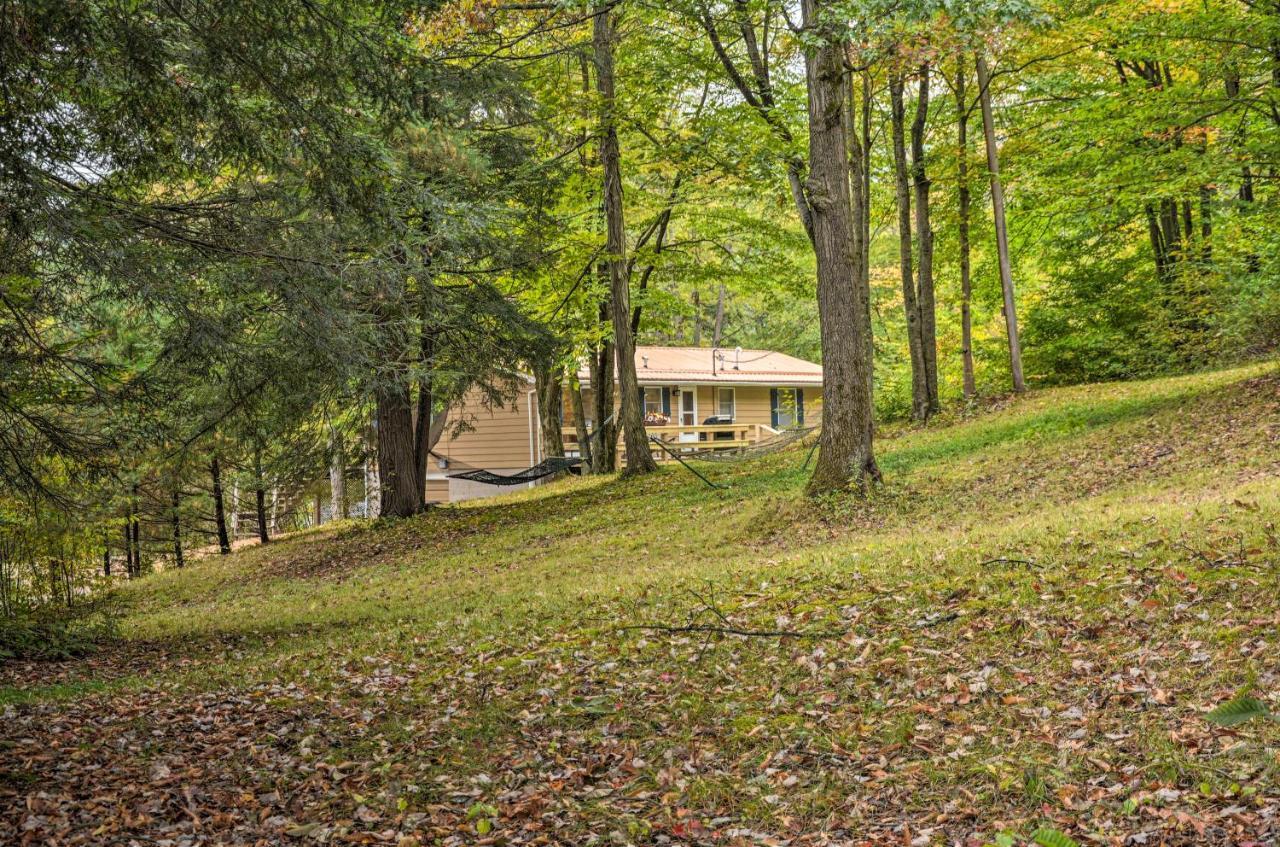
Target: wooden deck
pixel 689 439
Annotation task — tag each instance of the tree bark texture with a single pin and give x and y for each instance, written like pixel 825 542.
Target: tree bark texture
pixel 924 241
pixel 176 518
pixel 639 458
pixel 845 456
pixel 219 510
pixel 549 382
pixel 962 231
pixel 580 426
pixel 1002 230
pixel 338 475
pixel 260 496
pixel 397 459
pixel 910 300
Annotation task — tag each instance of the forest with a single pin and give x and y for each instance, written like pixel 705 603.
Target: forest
pixel 256 259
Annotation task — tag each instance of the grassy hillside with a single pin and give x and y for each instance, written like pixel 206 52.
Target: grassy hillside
pixel 1021 629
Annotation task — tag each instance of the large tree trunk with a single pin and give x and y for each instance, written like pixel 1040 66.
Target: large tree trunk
pixel 604 436
pixel 260 496
pixel 845 458
pixel 176 517
pixel 924 238
pixel 962 230
pixel 397 456
pixel 219 510
pixel 1002 230
pixel 549 382
pixel 910 304
pixel 631 412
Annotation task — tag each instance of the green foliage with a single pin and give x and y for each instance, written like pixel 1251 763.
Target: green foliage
pixel 1046 837
pixel 51 634
pixel 1238 710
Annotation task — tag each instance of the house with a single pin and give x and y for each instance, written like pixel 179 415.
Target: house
pixel 694 398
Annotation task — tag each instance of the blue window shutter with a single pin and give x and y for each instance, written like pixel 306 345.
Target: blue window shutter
pixel 799 405
pixel 773 408
pixel 666 401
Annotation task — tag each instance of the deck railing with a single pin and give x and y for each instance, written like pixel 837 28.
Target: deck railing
pixel 688 439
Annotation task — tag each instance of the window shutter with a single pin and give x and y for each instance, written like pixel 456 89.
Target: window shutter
pixel 666 401
pixel 773 408
pixel 799 405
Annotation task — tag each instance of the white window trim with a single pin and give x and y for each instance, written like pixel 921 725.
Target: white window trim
pixel 733 393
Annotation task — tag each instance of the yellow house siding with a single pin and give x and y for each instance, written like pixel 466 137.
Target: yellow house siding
pixel 499 437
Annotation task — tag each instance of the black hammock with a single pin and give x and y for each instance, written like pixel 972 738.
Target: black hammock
pixel 547 467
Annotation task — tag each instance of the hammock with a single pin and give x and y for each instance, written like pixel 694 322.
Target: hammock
pixel 760 448
pixel 547 467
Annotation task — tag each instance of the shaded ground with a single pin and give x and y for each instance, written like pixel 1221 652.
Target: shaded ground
pixel 1021 631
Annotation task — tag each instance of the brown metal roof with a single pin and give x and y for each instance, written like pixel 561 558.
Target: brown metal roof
pixel 720 366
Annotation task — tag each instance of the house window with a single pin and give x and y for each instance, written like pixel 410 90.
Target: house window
pixel 788 407
pixel 652 400
pixel 725 405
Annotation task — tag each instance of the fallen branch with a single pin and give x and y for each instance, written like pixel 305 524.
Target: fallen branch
pixel 1004 561
pixel 731 630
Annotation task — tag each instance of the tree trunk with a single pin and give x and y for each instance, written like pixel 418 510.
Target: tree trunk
pixel 401 496
pixel 128 545
pixel 136 533
pixel 697 319
pixel 639 457
pixel 260 496
pixel 106 556
pixel 962 234
pixel 580 426
pixel 549 382
pixel 859 156
pixel 177 529
pixel 425 416
pixel 718 328
pixel 234 522
pixel 219 510
pixel 1172 234
pixel 1002 231
pixel 910 304
pixel 866 197
pixel 1159 251
pixel 845 458
pixel 604 437
pixel 924 238
pixel 337 474
pixel 1206 223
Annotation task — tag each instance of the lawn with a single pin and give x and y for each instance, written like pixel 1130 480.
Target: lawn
pixel 1021 630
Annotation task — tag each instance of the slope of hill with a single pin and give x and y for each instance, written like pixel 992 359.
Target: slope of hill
pixel 1021 629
